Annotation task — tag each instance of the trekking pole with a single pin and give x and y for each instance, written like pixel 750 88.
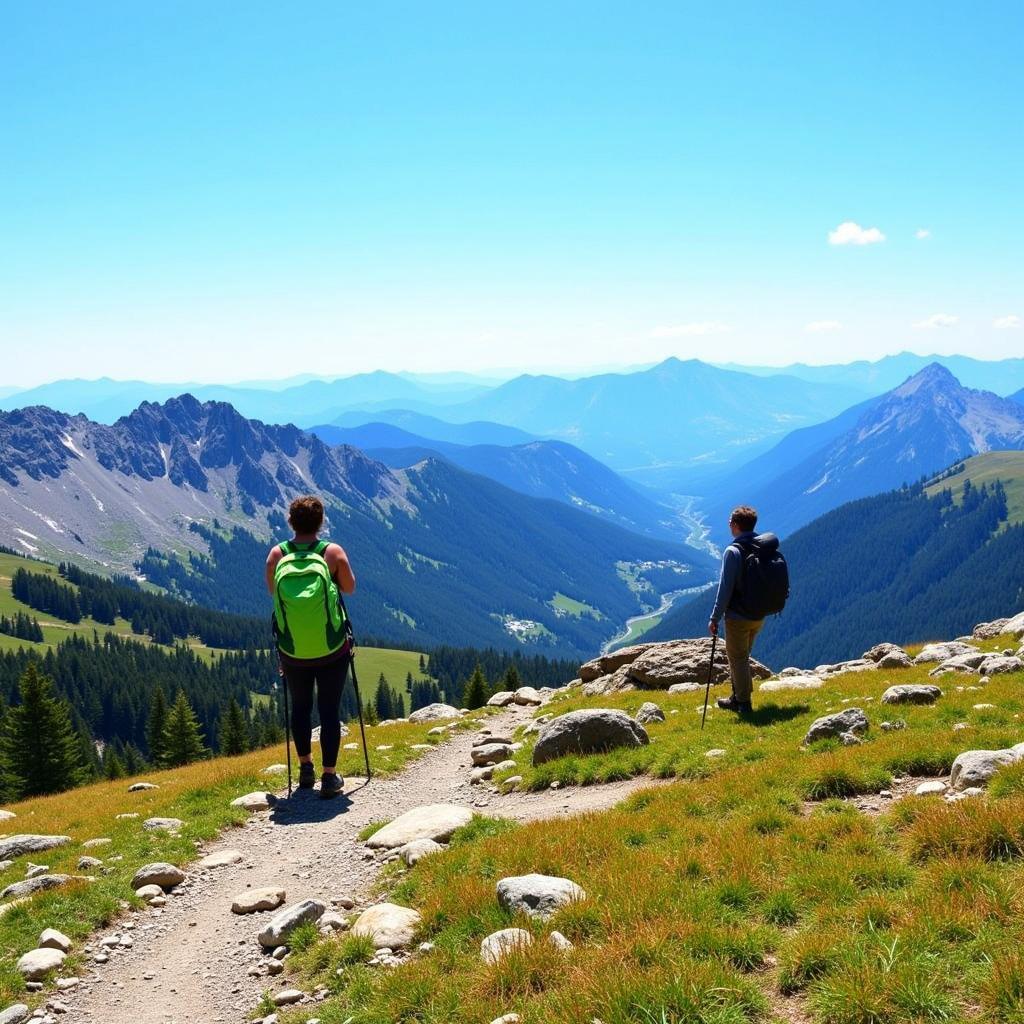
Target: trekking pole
pixel 711 672
pixel 287 733
pixel 355 681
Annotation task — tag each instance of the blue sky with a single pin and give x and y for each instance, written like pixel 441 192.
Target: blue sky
pixel 237 190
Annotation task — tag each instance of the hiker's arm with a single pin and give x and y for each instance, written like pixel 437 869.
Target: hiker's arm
pixel 726 585
pixel 341 569
pixel 272 559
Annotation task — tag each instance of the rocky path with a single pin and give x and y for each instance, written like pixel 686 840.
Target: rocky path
pixel 195 960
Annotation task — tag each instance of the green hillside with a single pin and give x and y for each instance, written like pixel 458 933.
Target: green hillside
pixel 1007 467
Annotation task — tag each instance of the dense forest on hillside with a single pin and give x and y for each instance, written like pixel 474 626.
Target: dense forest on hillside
pixel 900 566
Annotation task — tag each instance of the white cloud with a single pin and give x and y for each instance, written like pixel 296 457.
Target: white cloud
pixel 689 330
pixel 1007 323
pixel 851 233
pixel 819 326
pixel 935 321
pixel 922 233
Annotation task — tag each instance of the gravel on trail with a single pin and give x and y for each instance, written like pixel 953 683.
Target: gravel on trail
pixel 189 961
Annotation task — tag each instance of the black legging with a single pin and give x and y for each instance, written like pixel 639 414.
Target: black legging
pixel 329 680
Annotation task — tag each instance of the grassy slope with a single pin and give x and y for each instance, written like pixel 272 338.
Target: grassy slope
pixel 198 794
pixel 372 661
pixel 987 468
pixel 750 892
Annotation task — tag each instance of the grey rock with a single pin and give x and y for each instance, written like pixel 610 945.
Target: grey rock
pixel 499 944
pixel 415 851
pixel 15 1014
pixel 12 847
pixel 36 964
pixel 258 801
pixel 989 630
pixel 490 753
pixel 879 651
pixel 615 682
pixel 684 661
pixel 911 693
pixel 163 824
pixel 281 925
pixel 829 726
pixel 650 712
pixel 88 863
pixel 537 895
pixel 149 891
pixel 141 787
pixel 528 696
pixel 254 900
pixel 974 768
pixel 501 699
pixel 158 873
pixel 587 731
pixel 895 659
pixel 933 787
pixel 288 996
pixel 893 726
pixel 221 859
pixel 435 713
pixel 432 821
pixel 53 939
pixel 33 885
pixel 1015 626
pixel 799 681
pixel 998 664
pixel 560 942
pixel 388 925
pixel 850 739
pixel 943 652
pixel 609 663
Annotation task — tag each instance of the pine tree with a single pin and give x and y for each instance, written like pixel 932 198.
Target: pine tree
pixel 233 731
pixel 183 739
pixel 370 714
pixel 511 680
pixel 134 762
pixel 475 693
pixel 39 749
pixel 113 767
pixel 156 725
pixel 383 700
pixel 423 666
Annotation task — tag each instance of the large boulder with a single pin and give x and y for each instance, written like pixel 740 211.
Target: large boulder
pixel 388 925
pixel 910 693
pixel 997 664
pixel 851 720
pixel 435 713
pixel 17 846
pixel 18 1012
pixel 537 895
pixel 989 630
pixel 606 664
pixel 1015 626
pixel 280 926
pixel 684 661
pixel 528 696
pixel 895 659
pixel 36 964
pixel 167 876
pixel 943 652
pixel 432 821
pixel 879 651
pixel 589 731
pixel 501 699
pixel 614 682
pixel 974 768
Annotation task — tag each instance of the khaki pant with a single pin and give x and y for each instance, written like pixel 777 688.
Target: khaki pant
pixel 739 641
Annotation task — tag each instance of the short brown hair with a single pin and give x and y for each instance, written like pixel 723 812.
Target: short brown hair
pixel 306 514
pixel 744 517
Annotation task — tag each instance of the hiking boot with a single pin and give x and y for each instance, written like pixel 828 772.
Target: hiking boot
pixel 741 707
pixel 307 776
pixel 331 784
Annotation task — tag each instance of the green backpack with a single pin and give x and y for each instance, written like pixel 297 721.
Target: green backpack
pixel 308 618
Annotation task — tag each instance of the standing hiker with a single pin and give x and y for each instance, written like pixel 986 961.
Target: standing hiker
pixel 754 583
pixel 304 576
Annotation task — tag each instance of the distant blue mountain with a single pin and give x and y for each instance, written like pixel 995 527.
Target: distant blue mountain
pixel 412 426
pixel 540 469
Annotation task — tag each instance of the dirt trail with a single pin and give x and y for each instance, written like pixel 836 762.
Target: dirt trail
pixel 189 962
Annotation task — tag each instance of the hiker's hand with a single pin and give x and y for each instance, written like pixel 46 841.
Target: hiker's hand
pixel 712 629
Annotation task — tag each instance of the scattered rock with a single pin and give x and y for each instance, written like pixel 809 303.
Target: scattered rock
pixel 36 964
pixel 254 801
pixel 999 664
pixel 163 824
pixel 254 900
pixel 851 720
pixel 289 996
pixel 53 939
pixel 12 847
pixel 802 681
pixel 609 663
pixel 88 863
pixel 508 1018
pixel 879 651
pixel 911 694
pixel 588 731
pixel 167 876
pixel 274 769
pixel 91 844
pixel 490 753
pixel 560 942
pixel 510 783
pixel 989 630
pixel 415 851
pixel 141 787
pixel 893 726
pixel 943 652
pixel 221 859
pixel 35 870
pixel 975 767
pixel 528 696
pixel 388 925
pixel 850 739
pixel 501 699
pixel 499 944
pixel 432 821
pixel 615 682
pixel 895 659
pixel 650 712
pixel 934 787
pixel 537 895
pixel 281 925
pixel 148 892
pixel 17 1012
pixel 435 713
pixel 684 661
pixel 33 885
pixel 715 752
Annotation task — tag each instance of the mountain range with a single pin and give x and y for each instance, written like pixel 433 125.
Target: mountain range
pixel 443 555
pixel 915 430
pixel 541 469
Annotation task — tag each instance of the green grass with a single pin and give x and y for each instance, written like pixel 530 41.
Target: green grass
pixel 573 608
pixel 987 469
pixel 750 891
pixel 199 794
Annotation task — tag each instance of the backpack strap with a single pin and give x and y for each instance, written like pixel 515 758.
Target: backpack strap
pixel 286 547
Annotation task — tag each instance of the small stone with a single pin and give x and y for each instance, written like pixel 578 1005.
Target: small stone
pixel 221 859
pixel 36 964
pixel 14 1014
pixel 930 788
pixel 275 967
pixel 284 923
pixel 88 863
pixel 850 739
pixel 388 925
pixel 254 900
pixel 499 944
pixel 254 801
pixel 140 787
pixel 537 895
pixel 649 712
pixel 560 942
pixel 35 870
pixel 159 873
pixel 163 824
pixel 508 1018
pixel 53 939
pixel 715 752
pixel 91 844
pixel 288 996
pixel 415 851
pixel 434 821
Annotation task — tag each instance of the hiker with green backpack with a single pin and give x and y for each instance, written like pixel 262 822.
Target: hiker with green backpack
pixel 306 577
